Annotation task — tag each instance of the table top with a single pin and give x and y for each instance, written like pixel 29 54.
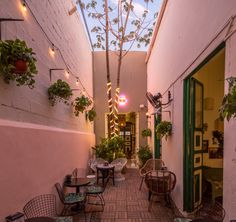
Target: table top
pixel 40 219
pixel 77 182
pixel 102 166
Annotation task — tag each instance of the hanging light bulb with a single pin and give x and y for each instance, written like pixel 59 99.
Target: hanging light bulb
pixel 53 49
pixel 83 91
pixel 24 6
pixel 77 81
pixel 67 74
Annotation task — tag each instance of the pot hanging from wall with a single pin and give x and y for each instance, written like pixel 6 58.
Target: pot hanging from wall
pixel 20 66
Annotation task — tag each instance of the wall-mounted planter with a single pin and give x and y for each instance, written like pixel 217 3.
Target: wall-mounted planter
pixel 91 114
pixel 59 91
pixel 164 129
pixel 17 63
pixel 80 104
pixel 147 132
pixel 228 106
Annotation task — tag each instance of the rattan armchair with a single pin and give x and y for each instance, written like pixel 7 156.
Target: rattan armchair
pixel 151 164
pixel 160 182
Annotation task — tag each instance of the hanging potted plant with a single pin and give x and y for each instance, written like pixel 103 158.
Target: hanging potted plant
pixel 91 114
pixel 17 63
pixel 80 104
pixel 228 107
pixel 146 132
pixel 59 91
pixel 164 128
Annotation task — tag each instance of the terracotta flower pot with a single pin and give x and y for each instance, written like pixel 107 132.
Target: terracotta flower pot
pixel 21 66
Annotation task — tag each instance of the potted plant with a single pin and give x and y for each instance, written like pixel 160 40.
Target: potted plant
pixel 17 63
pixel 228 107
pixel 144 154
pixel 59 91
pixel 110 149
pixel 80 104
pixel 164 128
pixel 146 132
pixel 91 114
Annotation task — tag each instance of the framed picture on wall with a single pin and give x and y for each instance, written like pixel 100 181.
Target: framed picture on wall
pixel 205 144
pixel 215 153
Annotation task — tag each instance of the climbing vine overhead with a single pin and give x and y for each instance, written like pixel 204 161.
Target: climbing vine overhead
pixel 118 26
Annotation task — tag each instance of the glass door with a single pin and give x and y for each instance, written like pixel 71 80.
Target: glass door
pixel 193 144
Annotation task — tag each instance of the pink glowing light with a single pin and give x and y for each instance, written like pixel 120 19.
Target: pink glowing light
pixel 122 100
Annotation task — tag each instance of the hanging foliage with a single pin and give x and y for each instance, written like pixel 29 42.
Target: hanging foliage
pixel 59 91
pixel 17 63
pixel 80 104
pixel 228 106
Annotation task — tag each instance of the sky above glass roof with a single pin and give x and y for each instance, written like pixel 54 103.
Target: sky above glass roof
pixel 139 7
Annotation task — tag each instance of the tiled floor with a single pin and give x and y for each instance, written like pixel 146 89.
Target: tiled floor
pixel 126 203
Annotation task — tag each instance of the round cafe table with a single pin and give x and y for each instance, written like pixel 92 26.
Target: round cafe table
pixel 105 172
pixel 77 182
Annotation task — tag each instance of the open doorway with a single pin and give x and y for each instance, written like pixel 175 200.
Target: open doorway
pixel 128 130
pixel 204 133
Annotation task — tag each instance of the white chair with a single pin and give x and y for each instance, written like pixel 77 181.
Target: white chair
pixel 94 162
pixel 119 164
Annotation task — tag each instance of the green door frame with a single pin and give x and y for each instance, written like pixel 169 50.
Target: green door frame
pixel 157 141
pixel 188 161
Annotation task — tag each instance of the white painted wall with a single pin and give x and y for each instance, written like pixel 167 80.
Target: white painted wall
pixel 189 31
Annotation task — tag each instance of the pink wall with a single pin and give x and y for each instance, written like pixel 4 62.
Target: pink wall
pixel 189 32
pixel 67 33
pixel 40 144
pixel 34 158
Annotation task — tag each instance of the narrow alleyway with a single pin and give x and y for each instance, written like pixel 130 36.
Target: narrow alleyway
pixel 126 203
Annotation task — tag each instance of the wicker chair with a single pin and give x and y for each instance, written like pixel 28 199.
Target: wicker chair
pixel 93 163
pixel 119 164
pixel 70 200
pixel 151 164
pixel 43 206
pixel 160 182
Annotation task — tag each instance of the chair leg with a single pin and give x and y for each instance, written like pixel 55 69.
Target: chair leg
pixel 140 187
pixel 150 203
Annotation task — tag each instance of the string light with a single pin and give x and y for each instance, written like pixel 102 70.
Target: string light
pixel 24 6
pixel 54 49
pixel 67 74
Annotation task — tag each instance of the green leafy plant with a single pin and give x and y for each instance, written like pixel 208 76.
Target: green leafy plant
pixel 80 104
pixel 91 114
pixel 144 154
pixel 59 91
pixel 146 132
pixel 164 128
pixel 228 106
pixel 17 63
pixel 110 149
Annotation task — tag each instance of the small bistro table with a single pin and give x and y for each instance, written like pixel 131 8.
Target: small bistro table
pixel 77 182
pixel 105 172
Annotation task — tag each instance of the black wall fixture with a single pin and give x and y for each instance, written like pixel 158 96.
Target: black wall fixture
pixel 7 20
